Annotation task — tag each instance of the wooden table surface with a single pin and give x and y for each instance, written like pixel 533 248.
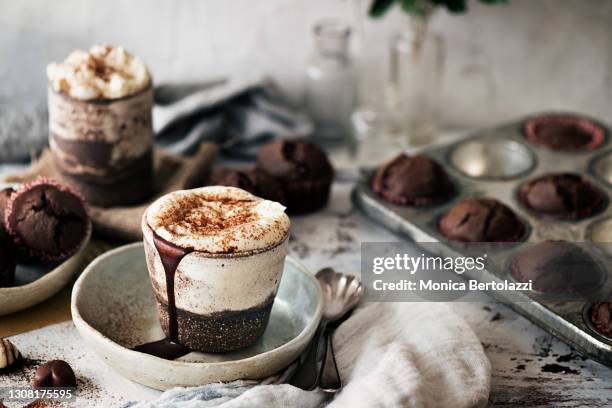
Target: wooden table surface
pixel 530 367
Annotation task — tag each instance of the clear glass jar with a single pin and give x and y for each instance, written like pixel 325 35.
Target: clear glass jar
pixel 373 117
pixel 330 94
pixel 417 59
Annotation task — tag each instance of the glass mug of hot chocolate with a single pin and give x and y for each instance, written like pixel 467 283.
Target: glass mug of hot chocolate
pixel 215 257
pixel 100 127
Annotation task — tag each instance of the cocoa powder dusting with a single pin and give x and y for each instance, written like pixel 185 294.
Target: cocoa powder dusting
pixel 209 215
pixel 224 218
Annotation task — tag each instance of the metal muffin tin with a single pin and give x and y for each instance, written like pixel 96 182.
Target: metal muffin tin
pixel 495 163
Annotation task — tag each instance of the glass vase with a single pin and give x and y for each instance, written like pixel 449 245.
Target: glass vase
pixel 416 63
pixel 372 116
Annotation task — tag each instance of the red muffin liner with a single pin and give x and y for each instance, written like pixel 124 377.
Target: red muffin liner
pixel 597 132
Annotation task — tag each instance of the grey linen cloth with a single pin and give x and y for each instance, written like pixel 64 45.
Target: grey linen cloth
pixel 417 355
pixel 239 113
pixel 23 130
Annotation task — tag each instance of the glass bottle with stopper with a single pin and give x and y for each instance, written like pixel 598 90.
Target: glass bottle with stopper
pixel 330 82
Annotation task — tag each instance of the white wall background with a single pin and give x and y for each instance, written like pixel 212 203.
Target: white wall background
pixel 501 61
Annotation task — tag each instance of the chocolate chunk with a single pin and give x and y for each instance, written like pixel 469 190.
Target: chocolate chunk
pixel 416 180
pixel 481 220
pixel 563 195
pixel 55 373
pixel 47 221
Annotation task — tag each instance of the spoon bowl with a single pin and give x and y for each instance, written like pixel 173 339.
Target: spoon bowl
pixel 341 293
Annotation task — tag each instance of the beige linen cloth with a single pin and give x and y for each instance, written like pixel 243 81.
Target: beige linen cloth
pixel 414 355
pixel 172 172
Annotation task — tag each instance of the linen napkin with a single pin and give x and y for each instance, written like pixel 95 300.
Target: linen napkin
pixel 389 355
pixel 172 172
pixel 238 112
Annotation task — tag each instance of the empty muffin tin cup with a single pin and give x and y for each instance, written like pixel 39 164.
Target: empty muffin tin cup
pixel 600 234
pixel 602 168
pixel 489 158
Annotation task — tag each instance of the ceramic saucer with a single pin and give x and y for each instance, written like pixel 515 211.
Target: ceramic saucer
pixel 114 309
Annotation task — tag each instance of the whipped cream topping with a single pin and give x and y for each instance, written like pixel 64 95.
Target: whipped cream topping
pixel 218 219
pixel 104 71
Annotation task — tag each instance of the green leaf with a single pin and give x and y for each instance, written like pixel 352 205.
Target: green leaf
pixel 380 7
pixel 409 6
pixel 456 6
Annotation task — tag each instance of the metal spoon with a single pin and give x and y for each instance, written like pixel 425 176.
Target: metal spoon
pixel 341 294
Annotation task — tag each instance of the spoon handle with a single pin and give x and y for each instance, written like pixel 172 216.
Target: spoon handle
pixel 330 376
pixel 308 373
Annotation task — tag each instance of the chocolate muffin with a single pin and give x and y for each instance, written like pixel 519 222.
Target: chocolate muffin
pixel 254 181
pixel 47 221
pixel 416 180
pixel 562 195
pixel 557 267
pixel 564 132
pixel 601 317
pixel 5 195
pixel 303 170
pixel 7 264
pixel 481 220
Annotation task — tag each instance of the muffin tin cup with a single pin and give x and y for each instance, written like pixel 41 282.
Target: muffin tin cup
pixel 561 296
pixel 492 159
pixel 601 168
pixel 524 161
pixel 601 243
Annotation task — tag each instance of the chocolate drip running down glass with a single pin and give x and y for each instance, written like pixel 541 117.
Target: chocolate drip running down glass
pixel 215 256
pixel 100 126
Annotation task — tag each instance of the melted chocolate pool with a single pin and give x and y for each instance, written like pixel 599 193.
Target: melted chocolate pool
pixel 168 348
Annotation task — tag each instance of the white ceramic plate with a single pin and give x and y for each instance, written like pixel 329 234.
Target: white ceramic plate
pixel 114 309
pixel 34 284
